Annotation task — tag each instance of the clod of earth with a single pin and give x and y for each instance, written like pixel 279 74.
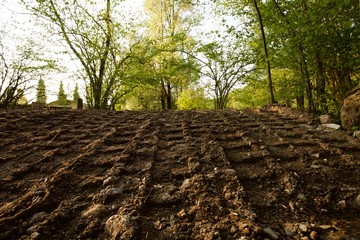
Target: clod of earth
pixel 249 174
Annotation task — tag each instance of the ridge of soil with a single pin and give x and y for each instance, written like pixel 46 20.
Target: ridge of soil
pixel 247 174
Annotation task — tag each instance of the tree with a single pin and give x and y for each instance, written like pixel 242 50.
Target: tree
pixel 224 67
pixel 94 38
pixel 193 99
pixel 317 39
pixel 168 27
pixel 62 98
pixel 18 68
pixel 253 28
pixel 41 91
pixel 76 94
pixel 268 66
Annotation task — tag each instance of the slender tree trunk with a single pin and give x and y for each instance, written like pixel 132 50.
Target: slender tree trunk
pixel 162 100
pixel 271 90
pixel 163 94
pixel 168 96
pixel 321 86
pixel 307 82
pixel 103 61
pixel 300 103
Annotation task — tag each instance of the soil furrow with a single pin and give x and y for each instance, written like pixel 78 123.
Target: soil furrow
pixel 249 174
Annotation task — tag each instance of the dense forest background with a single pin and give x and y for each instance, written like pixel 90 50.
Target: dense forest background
pixel 248 53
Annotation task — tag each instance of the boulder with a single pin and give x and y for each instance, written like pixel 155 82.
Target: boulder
pixel 350 111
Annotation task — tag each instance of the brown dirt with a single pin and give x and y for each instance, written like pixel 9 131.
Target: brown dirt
pixel 250 174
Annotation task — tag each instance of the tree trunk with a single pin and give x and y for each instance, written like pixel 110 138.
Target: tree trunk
pixel 300 103
pixel 306 79
pixel 271 90
pixel 321 85
pixel 168 96
pixel 163 94
pixel 98 94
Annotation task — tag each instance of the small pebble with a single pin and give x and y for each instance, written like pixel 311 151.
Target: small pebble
pixel 313 235
pixel 358 200
pixel 110 180
pixel 37 217
pixel 342 204
pixel 186 183
pixel 302 197
pixel 289 232
pixel 158 225
pixel 31 229
pixel 270 233
pixel 35 235
pixel 303 227
pixel 181 214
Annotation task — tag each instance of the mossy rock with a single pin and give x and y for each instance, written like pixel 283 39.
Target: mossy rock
pixel 350 111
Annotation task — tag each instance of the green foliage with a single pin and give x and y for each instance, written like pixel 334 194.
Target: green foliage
pixel 22 101
pixel 313 48
pixel 252 95
pixel 355 128
pixel 62 98
pixel 224 67
pixel 95 36
pixel 193 99
pixel 76 94
pixel 41 92
pixel 168 37
pixel 143 97
pixel 18 69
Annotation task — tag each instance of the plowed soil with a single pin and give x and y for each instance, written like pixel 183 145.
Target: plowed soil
pixel 250 174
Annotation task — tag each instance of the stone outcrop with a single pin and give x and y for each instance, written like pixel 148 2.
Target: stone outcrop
pixel 350 111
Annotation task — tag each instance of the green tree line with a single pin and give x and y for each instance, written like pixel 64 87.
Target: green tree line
pixel 313 51
pixel 301 53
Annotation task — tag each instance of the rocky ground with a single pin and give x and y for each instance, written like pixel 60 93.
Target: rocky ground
pixel 250 174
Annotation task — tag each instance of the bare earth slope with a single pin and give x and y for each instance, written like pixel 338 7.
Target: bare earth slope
pixel 249 174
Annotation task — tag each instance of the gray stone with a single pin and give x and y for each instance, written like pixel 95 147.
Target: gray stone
pixel 230 171
pixel 268 231
pixel 342 204
pixel 31 229
pixel 110 180
pixel 38 217
pixel 302 197
pixel 165 194
pixel 303 227
pixel 329 126
pixel 113 191
pixel 35 235
pixel 315 166
pixel 324 119
pixel 120 227
pixel 356 134
pixel 289 232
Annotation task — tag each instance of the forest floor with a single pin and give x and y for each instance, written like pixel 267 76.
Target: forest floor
pixel 249 174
